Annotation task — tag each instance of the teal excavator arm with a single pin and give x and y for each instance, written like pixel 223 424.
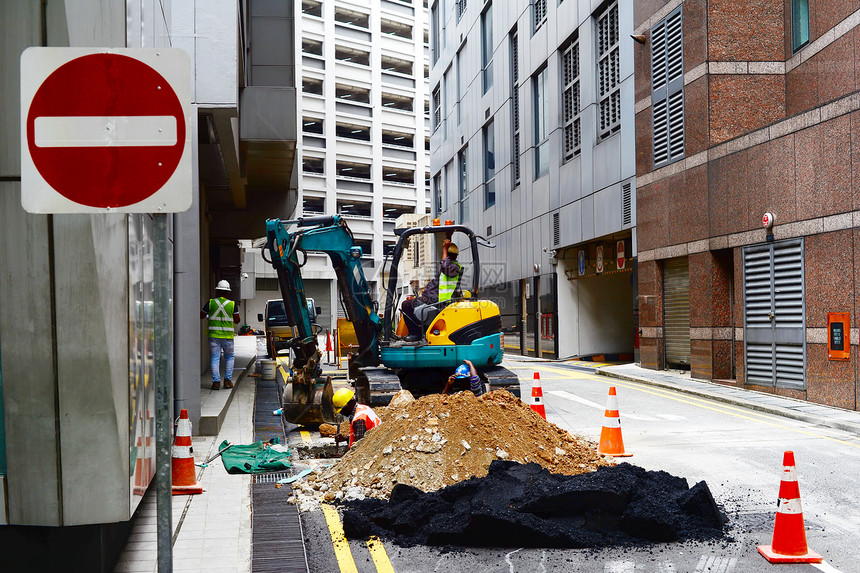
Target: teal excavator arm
pixel 329 235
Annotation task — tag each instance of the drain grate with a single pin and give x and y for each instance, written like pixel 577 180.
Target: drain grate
pixel 277 542
pixel 272 477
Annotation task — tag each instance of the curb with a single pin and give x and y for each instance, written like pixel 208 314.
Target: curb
pixel 775 410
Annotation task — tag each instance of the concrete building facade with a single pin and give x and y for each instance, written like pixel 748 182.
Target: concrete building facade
pixel 533 147
pixel 747 109
pixel 76 290
pixel 364 149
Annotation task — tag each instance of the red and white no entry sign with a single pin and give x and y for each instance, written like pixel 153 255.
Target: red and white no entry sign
pixel 105 130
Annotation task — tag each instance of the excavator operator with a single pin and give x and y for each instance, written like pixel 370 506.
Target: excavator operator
pixel 439 289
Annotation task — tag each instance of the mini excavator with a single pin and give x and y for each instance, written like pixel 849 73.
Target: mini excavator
pixel 463 328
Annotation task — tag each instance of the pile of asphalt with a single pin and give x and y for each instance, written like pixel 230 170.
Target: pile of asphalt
pixel 524 505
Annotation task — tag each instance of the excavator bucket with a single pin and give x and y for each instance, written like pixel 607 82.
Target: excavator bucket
pixel 307 399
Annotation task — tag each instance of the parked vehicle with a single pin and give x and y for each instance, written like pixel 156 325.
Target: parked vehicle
pixel 279 331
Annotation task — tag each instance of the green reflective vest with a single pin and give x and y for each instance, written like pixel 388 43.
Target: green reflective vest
pixel 221 317
pixel 447 285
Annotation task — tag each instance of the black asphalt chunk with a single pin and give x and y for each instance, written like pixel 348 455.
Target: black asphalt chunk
pixel 523 505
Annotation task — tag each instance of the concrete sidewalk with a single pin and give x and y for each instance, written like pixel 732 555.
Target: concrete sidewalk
pixel 212 530
pixel 837 418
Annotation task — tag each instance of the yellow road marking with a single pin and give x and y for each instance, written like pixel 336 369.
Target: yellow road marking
pixel 379 555
pixel 306 436
pixel 728 409
pixel 341 545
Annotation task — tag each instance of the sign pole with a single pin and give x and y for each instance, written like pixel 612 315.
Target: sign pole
pixel 161 304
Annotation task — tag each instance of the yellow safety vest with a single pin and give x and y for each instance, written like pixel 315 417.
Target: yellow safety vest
pixel 221 317
pixel 447 285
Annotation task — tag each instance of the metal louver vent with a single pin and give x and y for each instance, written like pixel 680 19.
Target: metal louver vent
pixel 774 314
pixel 608 72
pixel 627 204
pixel 667 88
pixel 556 230
pixel 676 310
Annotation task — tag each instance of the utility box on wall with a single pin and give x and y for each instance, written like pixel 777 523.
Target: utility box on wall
pixel 838 336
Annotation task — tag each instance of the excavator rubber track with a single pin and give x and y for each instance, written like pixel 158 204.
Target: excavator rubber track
pixel 376 386
pixel 500 378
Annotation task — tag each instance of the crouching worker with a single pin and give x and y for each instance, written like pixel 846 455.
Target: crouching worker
pixel 465 373
pixel 361 418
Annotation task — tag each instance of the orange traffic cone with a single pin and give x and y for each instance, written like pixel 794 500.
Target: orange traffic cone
pixel 537 397
pixel 611 442
pixel 789 535
pixel 182 462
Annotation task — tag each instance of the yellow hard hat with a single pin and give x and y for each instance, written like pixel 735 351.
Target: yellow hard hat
pixel 341 398
pixel 453 250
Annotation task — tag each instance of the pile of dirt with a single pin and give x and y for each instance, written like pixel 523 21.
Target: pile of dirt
pixel 441 440
pixel 518 505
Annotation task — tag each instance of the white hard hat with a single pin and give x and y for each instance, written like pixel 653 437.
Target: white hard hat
pixel 223 285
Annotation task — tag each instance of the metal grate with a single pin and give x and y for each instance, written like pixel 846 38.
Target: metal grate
pixel 627 204
pixel 676 310
pixel 774 314
pixel 667 88
pixel 608 72
pixel 570 101
pixel 515 106
pixel 539 13
pixel 277 542
pixel 556 229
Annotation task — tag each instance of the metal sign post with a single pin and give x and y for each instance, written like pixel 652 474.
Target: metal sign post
pixel 161 304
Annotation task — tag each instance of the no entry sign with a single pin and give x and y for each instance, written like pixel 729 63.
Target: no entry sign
pixel 105 130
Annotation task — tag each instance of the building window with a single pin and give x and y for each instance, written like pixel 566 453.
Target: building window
pixel 570 100
pixel 799 24
pixel 541 118
pixel 352 93
pixel 312 47
pixel 437 108
pixel 393 211
pixel 353 169
pixel 312 8
pixel 461 8
pixel 394 28
pixel 356 209
pixel 351 17
pixel 352 131
pixel 396 65
pixel 352 55
pixel 398 138
pixel 539 13
pixel 312 125
pixel 437 189
pixel 436 30
pixel 515 108
pixel 608 73
pixel 398 102
pixel 448 86
pixel 459 80
pixel 314 205
pixel 489 166
pixel 314 165
pixel 312 86
pixel 486 48
pixel 398 175
pixel 463 185
pixel 667 88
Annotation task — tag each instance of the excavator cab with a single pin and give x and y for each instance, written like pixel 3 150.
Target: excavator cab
pixel 466 327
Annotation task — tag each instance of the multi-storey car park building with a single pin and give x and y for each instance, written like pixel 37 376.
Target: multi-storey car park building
pixel 743 109
pixel 364 147
pixel 533 147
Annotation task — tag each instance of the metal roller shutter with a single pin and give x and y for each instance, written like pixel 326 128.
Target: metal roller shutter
pixel 676 311
pixel 774 315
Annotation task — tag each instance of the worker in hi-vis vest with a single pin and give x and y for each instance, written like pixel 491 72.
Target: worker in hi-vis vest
pixel 222 314
pixel 439 289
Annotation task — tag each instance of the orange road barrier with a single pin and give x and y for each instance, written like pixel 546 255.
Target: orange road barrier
pixel 537 397
pixel 182 462
pixel 611 442
pixel 789 535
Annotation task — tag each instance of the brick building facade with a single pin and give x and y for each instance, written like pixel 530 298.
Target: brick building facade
pixel 742 109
